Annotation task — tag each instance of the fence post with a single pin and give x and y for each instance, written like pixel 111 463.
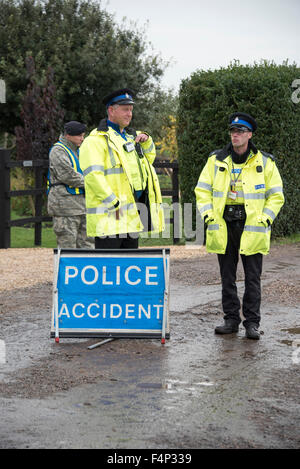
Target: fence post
pixel 4 199
pixel 175 203
pixel 38 206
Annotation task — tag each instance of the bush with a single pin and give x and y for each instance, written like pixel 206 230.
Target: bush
pixel 263 90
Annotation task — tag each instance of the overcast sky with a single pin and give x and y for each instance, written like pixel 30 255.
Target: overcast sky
pixel 209 34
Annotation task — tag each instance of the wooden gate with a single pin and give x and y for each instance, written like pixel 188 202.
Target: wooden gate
pixel 6 194
pixel 38 191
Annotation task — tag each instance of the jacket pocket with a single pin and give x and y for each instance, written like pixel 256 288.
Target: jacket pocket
pixel 216 237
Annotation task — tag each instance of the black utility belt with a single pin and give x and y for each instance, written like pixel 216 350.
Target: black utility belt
pixel 234 212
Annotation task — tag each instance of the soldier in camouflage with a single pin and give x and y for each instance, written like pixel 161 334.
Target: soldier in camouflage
pixel 66 199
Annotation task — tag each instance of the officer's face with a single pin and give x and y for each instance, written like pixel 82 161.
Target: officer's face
pixel 76 139
pixel 239 138
pixel 120 114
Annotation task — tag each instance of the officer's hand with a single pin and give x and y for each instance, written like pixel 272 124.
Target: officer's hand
pixel 266 223
pixel 141 138
pixel 208 219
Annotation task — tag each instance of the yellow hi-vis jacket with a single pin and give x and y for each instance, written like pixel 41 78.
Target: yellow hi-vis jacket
pixel 262 196
pixel 109 186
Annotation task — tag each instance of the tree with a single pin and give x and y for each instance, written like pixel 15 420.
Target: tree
pixel 42 120
pixel 264 90
pixel 41 115
pixel 168 143
pixel 89 53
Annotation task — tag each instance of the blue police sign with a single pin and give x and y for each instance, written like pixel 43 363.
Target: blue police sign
pixel 111 293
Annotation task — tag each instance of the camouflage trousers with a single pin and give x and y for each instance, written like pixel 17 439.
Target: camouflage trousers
pixel 71 232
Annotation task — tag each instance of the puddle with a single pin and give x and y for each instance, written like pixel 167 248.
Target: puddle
pixel 288 342
pixel 174 385
pixel 150 385
pixel 292 330
pixel 291 342
pixel 280 266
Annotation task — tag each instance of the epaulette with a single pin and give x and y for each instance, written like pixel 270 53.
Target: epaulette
pixel 268 155
pixel 103 127
pixel 131 131
pixel 215 152
pixel 220 154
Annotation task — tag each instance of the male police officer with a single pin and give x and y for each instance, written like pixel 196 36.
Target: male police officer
pixel 239 194
pixel 123 195
pixel 66 189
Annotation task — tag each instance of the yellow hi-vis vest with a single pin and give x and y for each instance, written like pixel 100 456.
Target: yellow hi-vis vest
pixel 262 195
pixel 75 164
pixel 109 186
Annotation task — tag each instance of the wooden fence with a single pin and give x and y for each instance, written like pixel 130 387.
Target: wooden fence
pixel 38 191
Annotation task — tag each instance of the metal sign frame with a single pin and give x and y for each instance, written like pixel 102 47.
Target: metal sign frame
pixel 159 257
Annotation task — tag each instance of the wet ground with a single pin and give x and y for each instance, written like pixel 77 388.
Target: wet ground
pixel 199 390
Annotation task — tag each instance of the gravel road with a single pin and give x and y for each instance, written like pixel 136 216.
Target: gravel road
pixel 198 390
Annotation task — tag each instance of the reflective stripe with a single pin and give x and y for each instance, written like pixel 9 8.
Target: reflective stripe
pixel 110 198
pixel 204 185
pixel 254 196
pixel 216 169
pixel 273 191
pixel 218 194
pixel 270 213
pixel 98 167
pixel 102 210
pixel 206 207
pixel 239 194
pixel 256 229
pixel 119 170
pixel 95 167
pixel 97 210
pixel 213 227
pixel 111 153
pixel 149 149
pixel 265 159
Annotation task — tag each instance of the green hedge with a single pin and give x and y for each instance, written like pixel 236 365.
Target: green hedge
pixel 263 90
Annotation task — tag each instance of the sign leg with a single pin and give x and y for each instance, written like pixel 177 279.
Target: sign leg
pixel 56 299
pixel 101 343
pixel 163 332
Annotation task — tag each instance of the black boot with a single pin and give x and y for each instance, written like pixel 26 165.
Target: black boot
pixel 252 332
pixel 229 327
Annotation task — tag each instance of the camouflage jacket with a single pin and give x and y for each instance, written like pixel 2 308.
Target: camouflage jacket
pixel 60 202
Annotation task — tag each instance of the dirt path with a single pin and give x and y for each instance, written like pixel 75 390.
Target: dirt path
pixel 198 391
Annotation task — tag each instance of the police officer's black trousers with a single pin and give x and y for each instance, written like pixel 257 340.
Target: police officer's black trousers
pixel 252 268
pixel 124 241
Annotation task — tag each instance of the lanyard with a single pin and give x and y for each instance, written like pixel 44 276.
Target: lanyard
pixel 234 179
pixel 238 171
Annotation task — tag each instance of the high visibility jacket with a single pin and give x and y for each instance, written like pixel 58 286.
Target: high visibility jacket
pixel 109 186
pixel 74 163
pixel 262 196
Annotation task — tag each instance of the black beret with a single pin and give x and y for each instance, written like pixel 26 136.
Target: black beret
pixel 74 128
pixel 122 96
pixel 241 119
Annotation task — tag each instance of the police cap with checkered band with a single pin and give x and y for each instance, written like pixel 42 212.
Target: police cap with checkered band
pixel 241 120
pixel 122 96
